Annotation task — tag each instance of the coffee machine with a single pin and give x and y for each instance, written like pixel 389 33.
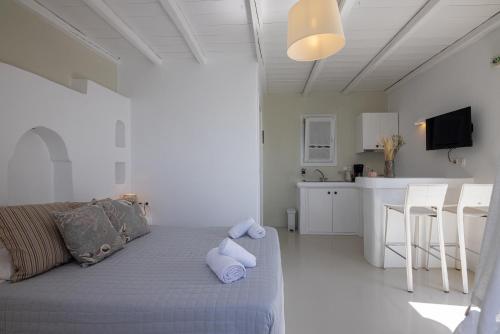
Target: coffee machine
pixel 358 170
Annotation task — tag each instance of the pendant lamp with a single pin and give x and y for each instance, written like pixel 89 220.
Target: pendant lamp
pixel 314 30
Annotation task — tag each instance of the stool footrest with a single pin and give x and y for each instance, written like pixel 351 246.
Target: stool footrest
pixel 453 244
pixel 388 246
pixel 395 251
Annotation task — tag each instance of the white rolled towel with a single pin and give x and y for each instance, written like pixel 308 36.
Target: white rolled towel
pixel 227 269
pixel 240 229
pixel 256 231
pixel 230 248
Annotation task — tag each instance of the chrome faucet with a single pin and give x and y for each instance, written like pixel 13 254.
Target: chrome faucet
pixel 322 178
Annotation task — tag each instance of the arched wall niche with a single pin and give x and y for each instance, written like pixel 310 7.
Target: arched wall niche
pixel 40 170
pixel 120 134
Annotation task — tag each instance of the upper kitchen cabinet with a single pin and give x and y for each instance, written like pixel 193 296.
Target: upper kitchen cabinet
pixel 372 127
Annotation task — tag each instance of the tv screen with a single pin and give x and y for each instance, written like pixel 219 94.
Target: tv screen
pixel 449 130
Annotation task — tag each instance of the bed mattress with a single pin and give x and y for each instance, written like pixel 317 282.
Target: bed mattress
pixel 158 284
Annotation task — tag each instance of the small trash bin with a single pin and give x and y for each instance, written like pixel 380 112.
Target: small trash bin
pixel 291 218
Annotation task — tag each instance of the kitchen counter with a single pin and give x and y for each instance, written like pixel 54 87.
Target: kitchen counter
pixel 403 182
pixel 368 196
pixel 375 193
pixel 383 183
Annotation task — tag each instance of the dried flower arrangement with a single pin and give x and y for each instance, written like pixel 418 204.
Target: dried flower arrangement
pixel 391 146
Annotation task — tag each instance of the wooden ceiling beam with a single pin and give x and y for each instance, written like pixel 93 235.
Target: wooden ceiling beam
pixel 473 36
pixel 108 15
pixel 181 22
pixel 402 35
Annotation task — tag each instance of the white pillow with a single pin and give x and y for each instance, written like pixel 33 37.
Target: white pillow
pixel 5 263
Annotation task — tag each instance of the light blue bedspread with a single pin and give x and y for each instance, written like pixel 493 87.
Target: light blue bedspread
pixel 159 283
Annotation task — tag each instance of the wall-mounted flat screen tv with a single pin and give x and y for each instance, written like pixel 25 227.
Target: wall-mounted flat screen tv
pixel 448 131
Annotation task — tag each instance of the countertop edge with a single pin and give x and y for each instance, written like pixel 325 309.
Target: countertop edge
pixel 385 183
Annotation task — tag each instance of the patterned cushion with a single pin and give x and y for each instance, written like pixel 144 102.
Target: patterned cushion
pixel 109 209
pixel 127 218
pixel 30 234
pixel 88 234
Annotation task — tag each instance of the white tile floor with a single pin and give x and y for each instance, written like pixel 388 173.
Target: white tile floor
pixel 330 288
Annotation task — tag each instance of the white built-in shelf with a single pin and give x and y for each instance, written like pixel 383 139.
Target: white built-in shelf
pixel 120 176
pixel 120 134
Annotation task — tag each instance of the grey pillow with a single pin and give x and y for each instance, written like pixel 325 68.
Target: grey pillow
pixel 88 234
pixel 127 218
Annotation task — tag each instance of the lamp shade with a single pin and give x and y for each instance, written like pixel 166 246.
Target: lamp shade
pixel 314 30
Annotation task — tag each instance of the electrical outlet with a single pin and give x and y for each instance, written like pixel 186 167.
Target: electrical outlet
pixel 459 162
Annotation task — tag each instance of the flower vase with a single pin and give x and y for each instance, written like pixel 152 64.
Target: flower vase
pixel 389 168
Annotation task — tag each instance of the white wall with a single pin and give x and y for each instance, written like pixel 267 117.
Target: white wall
pixel 195 140
pixel 465 79
pixel 84 121
pixel 282 123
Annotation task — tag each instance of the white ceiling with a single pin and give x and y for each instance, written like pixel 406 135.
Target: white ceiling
pixel 221 26
pixel 371 60
pixel 370 25
pixel 444 26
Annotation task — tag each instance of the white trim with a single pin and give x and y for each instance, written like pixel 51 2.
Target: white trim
pixel 345 9
pixel 185 28
pixel 262 80
pixel 254 19
pixel 474 35
pixel 107 14
pixel 256 27
pixel 303 117
pixel 67 28
pixel 415 22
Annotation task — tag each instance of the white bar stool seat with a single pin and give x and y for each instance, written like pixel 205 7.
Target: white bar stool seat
pixel 415 211
pixel 481 212
pixel 422 200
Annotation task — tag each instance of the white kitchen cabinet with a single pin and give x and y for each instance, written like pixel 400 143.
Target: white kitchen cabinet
pixel 345 211
pixel 368 131
pixel 372 127
pixel 388 124
pixel 319 213
pixel 329 210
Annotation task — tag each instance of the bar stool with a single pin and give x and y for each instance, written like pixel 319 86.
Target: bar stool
pixel 422 200
pixel 474 201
